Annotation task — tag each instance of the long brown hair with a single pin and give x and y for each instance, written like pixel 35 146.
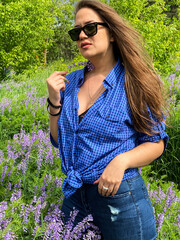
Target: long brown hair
pixel 142 84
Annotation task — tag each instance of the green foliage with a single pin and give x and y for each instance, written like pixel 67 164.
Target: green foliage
pixel 62 45
pixel 25 31
pixel 161 34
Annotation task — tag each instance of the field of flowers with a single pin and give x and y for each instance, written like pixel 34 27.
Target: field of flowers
pixel 30 175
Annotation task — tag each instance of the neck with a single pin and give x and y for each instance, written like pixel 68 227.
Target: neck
pixel 103 65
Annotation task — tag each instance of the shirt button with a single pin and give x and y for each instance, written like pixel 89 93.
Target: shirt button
pixel 74 154
pixel 76 131
pixel 107 116
pixel 75 109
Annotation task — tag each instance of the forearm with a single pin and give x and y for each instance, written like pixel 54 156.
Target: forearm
pixel 55 84
pixel 53 124
pixel 141 155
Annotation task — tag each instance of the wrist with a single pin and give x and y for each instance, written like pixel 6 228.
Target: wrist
pixel 53 111
pixel 53 103
pixel 123 161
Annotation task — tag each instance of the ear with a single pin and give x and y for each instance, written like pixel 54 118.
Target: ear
pixel 111 37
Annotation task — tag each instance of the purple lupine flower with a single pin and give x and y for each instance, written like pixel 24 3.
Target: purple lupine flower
pixel 19 183
pixel 9 186
pixel 35 230
pixel 10 171
pixel 55 223
pixel 15 195
pixel 89 66
pixel 1 156
pixel 4 104
pixel 159 221
pixel 3 174
pixel 3 207
pixel 178 220
pixel 10 236
pixel 49 155
pixel 10 152
pixel 69 224
pixel 37 213
pixel 81 227
pixel 25 213
pixel 58 182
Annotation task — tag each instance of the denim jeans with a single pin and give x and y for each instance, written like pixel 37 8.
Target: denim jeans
pixel 128 215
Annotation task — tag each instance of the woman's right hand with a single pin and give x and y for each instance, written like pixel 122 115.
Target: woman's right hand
pixel 55 83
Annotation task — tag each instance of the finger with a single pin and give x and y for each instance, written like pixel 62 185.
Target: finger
pixel 116 187
pixel 100 187
pixel 104 191
pixel 97 181
pixel 66 80
pixel 57 74
pixel 60 78
pixel 63 73
pixel 110 190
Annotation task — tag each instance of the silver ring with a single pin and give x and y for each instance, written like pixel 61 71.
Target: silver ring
pixel 105 188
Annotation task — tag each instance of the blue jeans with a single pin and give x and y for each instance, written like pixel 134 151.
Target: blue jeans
pixel 128 215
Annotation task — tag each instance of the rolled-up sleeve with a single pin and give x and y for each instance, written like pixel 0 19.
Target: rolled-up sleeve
pixel 160 135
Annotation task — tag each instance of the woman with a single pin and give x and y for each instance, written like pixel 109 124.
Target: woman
pixel 107 122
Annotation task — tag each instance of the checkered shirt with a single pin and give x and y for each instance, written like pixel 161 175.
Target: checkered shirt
pixel 105 131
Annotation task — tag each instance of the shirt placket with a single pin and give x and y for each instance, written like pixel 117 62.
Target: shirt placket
pixel 75 124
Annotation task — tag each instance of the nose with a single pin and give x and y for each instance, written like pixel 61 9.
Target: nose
pixel 82 35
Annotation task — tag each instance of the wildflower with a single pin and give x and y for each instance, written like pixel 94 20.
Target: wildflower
pixel 159 221
pixel 3 174
pixel 10 236
pixel 89 66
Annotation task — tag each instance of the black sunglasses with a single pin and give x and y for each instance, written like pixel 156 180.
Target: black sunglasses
pixel 89 29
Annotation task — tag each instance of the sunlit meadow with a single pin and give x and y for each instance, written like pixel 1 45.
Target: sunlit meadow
pixel 30 175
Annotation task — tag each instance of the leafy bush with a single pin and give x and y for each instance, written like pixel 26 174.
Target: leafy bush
pixel 168 165
pixel 160 31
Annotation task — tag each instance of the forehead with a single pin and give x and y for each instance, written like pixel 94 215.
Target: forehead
pixel 85 15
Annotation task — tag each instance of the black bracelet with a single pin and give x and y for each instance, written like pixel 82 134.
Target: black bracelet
pixel 52 105
pixel 52 113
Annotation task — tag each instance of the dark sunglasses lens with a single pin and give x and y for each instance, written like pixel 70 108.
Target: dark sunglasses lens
pixel 74 34
pixel 90 29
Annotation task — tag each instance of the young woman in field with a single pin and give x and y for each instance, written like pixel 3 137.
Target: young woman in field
pixel 107 121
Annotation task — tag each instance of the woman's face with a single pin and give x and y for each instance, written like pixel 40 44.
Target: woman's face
pixel 99 45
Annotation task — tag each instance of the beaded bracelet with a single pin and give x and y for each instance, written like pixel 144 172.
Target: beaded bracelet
pixel 52 105
pixel 56 114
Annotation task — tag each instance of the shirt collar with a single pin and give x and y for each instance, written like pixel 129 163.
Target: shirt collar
pixel 113 77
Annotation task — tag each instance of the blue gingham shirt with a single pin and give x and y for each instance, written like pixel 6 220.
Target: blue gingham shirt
pixel 105 131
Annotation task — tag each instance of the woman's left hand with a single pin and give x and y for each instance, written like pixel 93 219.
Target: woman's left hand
pixel 111 178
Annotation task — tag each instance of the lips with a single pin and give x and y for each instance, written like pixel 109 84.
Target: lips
pixel 85 44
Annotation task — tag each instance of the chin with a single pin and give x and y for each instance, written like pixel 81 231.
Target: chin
pixel 88 56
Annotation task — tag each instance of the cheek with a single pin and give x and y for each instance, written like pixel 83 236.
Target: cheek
pixel 78 44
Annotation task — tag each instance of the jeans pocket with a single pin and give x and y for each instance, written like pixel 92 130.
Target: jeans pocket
pixel 122 192
pixel 120 195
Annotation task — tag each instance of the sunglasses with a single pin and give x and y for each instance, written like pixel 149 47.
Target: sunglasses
pixel 89 29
